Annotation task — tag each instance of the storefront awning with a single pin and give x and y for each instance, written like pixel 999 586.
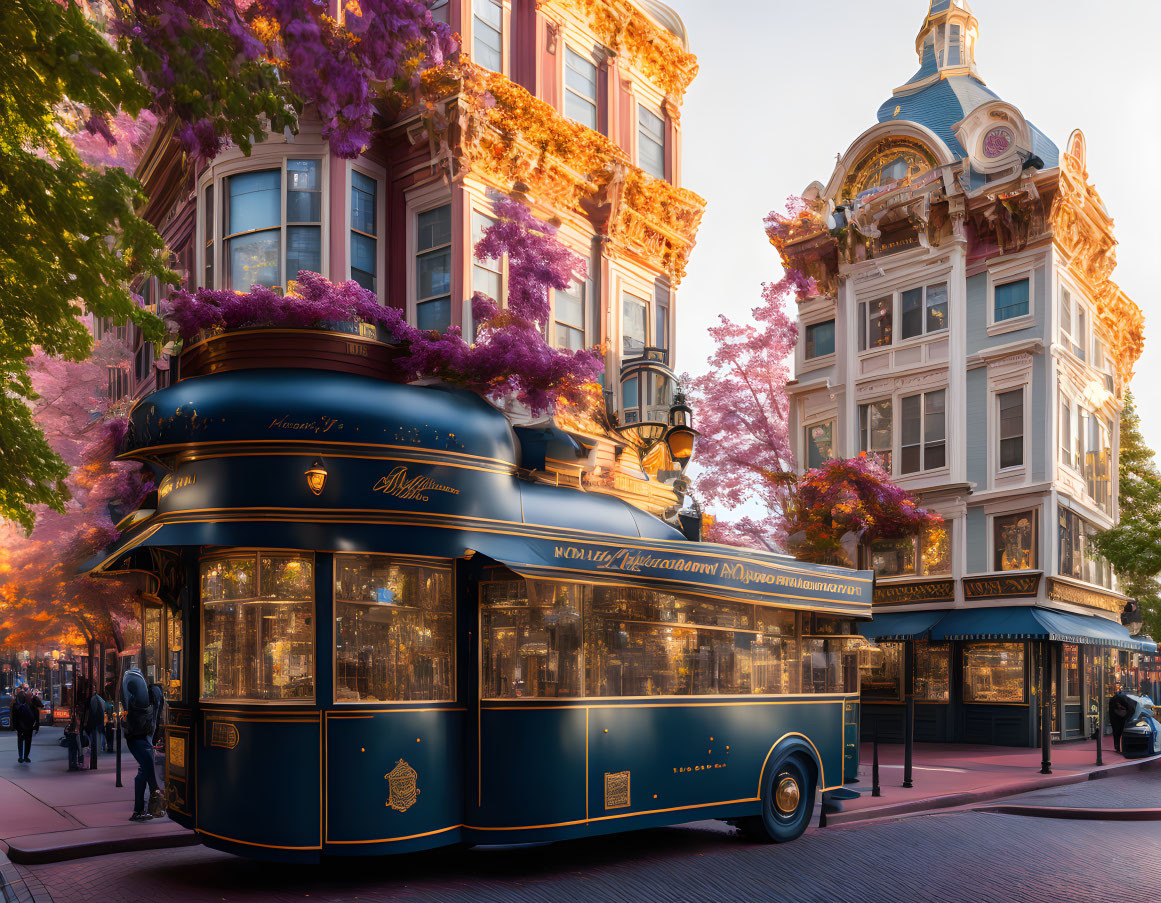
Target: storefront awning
pixel 1028 623
pixel 709 569
pixel 902 625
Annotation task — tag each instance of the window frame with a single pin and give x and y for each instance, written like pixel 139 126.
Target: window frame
pixel 923 442
pixel 256 554
pixel 925 311
pixel 993 546
pixel 644 300
pixel 815 359
pixel 1000 469
pixel 473 18
pixel 424 201
pixel 497 267
pixel 566 89
pixel 379 176
pixel 865 430
pixel 639 136
pixel 807 442
pixel 211 238
pixel 558 323
pixel 1005 273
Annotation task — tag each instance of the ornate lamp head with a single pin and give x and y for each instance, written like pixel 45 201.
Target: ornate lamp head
pixel 316 477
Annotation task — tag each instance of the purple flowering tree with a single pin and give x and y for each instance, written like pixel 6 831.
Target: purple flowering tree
pixel 509 356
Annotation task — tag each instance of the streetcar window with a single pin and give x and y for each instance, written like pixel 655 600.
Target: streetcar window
pixel 394 630
pixel 532 638
pixel 258 627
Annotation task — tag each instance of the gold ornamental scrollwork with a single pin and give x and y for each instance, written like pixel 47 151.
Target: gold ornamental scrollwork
pixel 401 786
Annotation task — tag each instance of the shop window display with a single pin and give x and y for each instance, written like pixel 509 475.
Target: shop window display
pixel 932 667
pixel 994 672
pixel 394 630
pixel 881 672
pixel 258 628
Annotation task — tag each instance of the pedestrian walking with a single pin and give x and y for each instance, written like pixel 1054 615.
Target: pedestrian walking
pixel 94 723
pixel 140 723
pixel 24 722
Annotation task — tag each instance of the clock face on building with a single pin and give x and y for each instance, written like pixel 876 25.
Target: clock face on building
pixel 889 162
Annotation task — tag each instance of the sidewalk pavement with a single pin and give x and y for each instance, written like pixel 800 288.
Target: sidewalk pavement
pixel 949 775
pixel 48 813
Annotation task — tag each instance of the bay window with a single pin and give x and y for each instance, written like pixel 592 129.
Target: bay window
pixel 875 430
pixel 260 246
pixel 580 89
pixel 924 432
pixel 875 323
pixel 1078 555
pixel 364 231
pixel 257 627
pixel 488 34
pixel 650 142
pixel 433 269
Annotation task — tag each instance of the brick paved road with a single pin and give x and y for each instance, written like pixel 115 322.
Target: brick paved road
pixel 965 856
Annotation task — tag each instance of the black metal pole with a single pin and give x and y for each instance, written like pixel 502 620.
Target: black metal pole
pixel 875 791
pixel 117 721
pixel 92 747
pixel 909 726
pixel 1045 714
pixel 1100 720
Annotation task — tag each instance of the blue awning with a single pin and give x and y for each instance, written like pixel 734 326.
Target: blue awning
pixel 902 625
pixel 1028 623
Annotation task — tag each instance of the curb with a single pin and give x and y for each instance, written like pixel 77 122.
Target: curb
pixel 33 854
pixel 986 794
pixel 1075 813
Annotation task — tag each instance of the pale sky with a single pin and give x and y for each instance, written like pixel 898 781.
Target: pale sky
pixel 784 86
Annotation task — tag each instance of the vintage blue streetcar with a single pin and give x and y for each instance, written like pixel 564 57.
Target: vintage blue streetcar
pixel 399 638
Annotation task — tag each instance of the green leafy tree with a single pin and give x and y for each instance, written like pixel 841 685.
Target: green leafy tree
pixel 71 240
pixel 1133 547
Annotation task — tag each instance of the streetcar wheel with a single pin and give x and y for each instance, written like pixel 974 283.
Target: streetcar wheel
pixel 787 802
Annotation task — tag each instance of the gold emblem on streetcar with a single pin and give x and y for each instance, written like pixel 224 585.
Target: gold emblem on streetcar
pixel 401 785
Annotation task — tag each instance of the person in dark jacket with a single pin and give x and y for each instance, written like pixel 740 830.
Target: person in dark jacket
pixel 72 738
pixel 140 722
pixel 24 722
pixel 110 719
pixel 157 700
pixel 1119 709
pixel 94 723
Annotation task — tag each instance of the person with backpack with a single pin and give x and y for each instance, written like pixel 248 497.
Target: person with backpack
pixel 24 723
pixel 140 722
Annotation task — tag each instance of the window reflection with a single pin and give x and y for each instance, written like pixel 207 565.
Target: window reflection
pixel 642 643
pixel 993 672
pixel 881 671
pixel 932 666
pixel 394 630
pixel 532 638
pixel 258 644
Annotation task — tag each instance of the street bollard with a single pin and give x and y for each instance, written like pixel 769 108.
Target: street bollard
pixel 119 784
pixel 875 791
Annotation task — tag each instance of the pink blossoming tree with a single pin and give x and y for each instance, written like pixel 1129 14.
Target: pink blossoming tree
pixel 42 598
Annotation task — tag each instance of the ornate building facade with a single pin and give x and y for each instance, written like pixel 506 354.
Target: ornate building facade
pixel 969 333
pixel 571 106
